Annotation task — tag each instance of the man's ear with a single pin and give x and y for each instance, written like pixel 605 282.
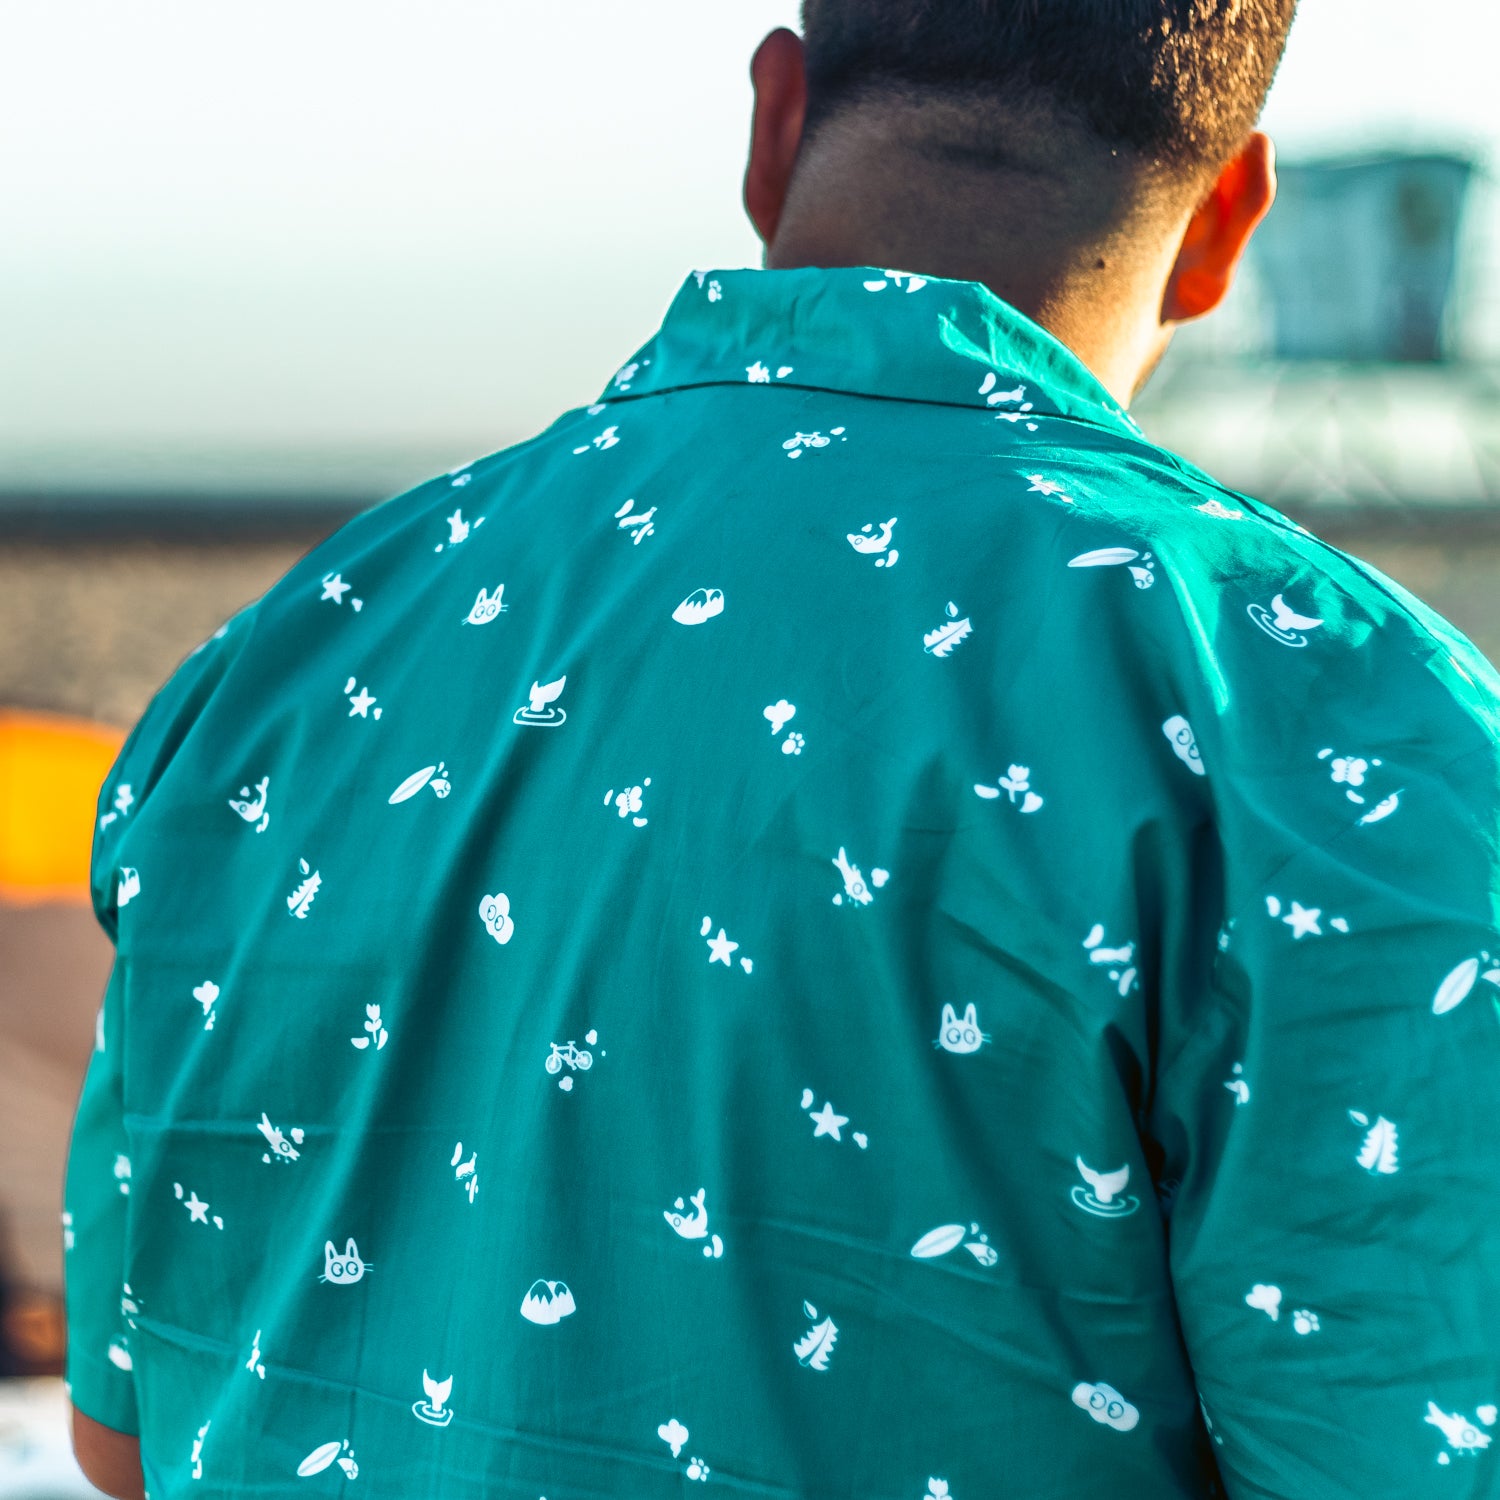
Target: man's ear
pixel 1219 231
pixel 780 80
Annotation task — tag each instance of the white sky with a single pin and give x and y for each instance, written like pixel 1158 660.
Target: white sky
pixel 436 223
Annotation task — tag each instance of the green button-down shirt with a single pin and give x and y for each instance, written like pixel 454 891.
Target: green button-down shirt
pixel 836 925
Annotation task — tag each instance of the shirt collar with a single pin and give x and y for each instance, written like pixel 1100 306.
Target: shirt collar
pixel 867 332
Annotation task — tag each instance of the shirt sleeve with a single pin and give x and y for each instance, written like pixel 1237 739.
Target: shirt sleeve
pixel 96 1205
pixel 96 1201
pixel 1328 1103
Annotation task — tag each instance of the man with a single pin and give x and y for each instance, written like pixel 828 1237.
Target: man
pixel 837 924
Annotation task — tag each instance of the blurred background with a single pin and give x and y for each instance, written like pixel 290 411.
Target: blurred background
pixel 266 266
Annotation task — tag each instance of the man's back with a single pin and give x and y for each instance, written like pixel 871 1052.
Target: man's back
pixel 810 928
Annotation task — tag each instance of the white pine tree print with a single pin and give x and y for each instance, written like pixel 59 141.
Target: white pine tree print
pixel 1378 1155
pixel 816 1345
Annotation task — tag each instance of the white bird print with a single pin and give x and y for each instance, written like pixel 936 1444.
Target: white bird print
pixel 1458 1429
pixel 1104 1184
pixel 1287 619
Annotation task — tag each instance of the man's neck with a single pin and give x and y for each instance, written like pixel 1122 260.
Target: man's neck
pixel 1082 303
pixel 1058 256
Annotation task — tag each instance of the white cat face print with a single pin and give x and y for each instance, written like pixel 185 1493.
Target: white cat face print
pixel 487 607
pixel 346 1269
pixel 960 1035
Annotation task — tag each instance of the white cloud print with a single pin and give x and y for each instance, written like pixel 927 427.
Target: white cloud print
pixel 1105 1404
pixel 494 912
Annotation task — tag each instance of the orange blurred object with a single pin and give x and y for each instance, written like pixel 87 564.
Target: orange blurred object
pixel 50 772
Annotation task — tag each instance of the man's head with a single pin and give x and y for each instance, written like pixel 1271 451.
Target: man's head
pixel 1077 155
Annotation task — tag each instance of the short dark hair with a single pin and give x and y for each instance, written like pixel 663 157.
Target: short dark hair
pixel 1179 83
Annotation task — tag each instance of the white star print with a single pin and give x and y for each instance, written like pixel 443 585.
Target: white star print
pixel 1048 487
pixel 361 704
pixel 826 1122
pixel 1303 921
pixel 197 1210
pixel 335 588
pixel 720 948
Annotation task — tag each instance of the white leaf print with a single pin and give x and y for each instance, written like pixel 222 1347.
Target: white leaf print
pixel 815 1347
pixel 1379 1153
pixel 946 638
pixel 1105 557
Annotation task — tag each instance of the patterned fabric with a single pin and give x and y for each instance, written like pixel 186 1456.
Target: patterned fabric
pixel 836 925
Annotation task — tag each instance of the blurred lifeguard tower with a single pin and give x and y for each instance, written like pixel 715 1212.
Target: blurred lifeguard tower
pixel 1347 382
